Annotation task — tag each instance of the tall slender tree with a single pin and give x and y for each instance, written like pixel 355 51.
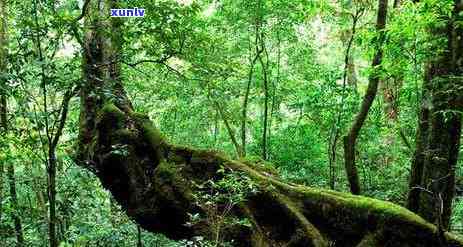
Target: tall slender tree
pixel 4 124
pixel 3 97
pixel 350 140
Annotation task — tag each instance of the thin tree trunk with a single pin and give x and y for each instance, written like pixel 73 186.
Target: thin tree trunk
pixel 351 76
pixel 139 240
pixel 53 135
pixel 334 133
pixel 266 97
pixel 351 138
pixel 4 126
pixel 391 88
pixel 216 127
pixel 51 178
pixel 15 205
pixel 3 95
pixel 274 89
pixel 51 159
pixel 244 112
pixel 231 133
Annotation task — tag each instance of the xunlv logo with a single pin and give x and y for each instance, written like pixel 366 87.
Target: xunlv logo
pixel 135 12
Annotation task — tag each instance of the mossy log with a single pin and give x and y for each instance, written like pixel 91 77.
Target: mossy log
pixel 155 183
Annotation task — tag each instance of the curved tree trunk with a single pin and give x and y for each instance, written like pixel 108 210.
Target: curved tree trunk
pixel 162 186
pixel 156 182
pixel 350 139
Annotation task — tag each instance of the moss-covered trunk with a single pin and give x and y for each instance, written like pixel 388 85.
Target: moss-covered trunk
pixel 432 184
pixel 158 184
pixel 184 192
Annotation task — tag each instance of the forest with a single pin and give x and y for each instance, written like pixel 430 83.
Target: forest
pixel 220 123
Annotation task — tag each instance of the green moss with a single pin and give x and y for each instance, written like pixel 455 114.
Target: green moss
pixel 150 133
pixel 260 165
pixel 112 116
pixel 356 210
pixel 358 205
pixel 166 172
pixel 307 228
pixel 368 241
pixel 124 135
pixel 169 174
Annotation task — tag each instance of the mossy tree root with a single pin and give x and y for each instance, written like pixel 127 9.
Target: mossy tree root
pixel 155 183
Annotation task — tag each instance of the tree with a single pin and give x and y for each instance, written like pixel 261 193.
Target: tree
pixel 3 97
pixel 351 138
pixel 4 126
pixel 162 186
pixel 432 183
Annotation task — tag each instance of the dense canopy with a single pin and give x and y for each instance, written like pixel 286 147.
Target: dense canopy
pixel 231 123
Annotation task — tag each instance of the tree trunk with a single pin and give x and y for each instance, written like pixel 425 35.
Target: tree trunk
pixel 334 132
pixel 231 133
pixel 4 128
pixel 266 99
pixel 159 185
pixel 156 183
pixel 351 138
pixel 3 95
pixel 435 192
pixel 244 111
pixel 139 240
pixel 15 206
pixel 390 92
pixel 51 173
pixel 421 146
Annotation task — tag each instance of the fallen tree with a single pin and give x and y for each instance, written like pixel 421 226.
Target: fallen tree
pixel 156 182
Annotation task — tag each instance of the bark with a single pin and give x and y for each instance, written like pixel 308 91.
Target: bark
pixel 51 172
pixel 53 134
pixel 3 96
pixel 159 185
pixel 156 182
pixel 351 138
pixel 3 106
pixel 390 89
pixel 334 133
pixel 139 240
pixel 244 112
pixel 231 133
pixel 4 128
pixel 15 205
pixel 351 74
pixel 437 186
pixel 421 145
pixel 266 98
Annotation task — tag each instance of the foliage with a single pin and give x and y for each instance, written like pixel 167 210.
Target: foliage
pixel 198 62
